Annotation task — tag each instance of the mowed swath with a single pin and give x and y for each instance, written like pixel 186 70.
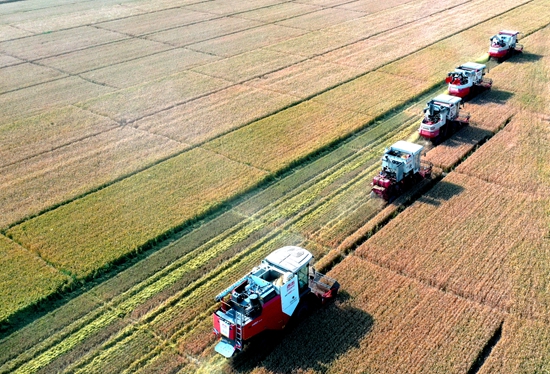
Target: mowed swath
pixel 119 219
pixel 205 118
pixel 289 135
pixel 51 178
pixel 386 321
pixel 25 278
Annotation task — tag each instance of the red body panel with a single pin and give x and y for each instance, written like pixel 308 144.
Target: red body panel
pixel 460 92
pixel 429 134
pixel 499 54
pixel 272 318
pixel 381 181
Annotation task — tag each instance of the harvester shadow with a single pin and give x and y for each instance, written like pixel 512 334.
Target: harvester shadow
pixel 494 96
pixel 443 191
pixel 525 58
pixel 311 345
pixel 474 133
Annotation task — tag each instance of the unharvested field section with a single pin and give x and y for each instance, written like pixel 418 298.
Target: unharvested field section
pixel 381 321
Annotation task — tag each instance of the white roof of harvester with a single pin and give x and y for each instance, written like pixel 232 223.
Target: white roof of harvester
pixel 472 65
pixel 406 147
pixel 289 258
pixel 447 99
pixel 508 32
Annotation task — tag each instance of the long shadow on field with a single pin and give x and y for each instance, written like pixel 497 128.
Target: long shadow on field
pixel 441 192
pixel 525 58
pixel 313 344
pixel 495 96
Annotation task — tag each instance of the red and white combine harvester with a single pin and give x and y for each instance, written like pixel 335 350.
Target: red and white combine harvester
pixel 467 79
pixel 504 44
pixel 442 116
pixel 401 167
pixel 284 285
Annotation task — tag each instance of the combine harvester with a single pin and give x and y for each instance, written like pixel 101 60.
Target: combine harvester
pixel 401 168
pixel 284 285
pixel 504 44
pixel 468 79
pixel 442 117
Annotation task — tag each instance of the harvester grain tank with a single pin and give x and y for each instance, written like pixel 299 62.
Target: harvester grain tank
pixel 441 116
pixel 282 287
pixel 401 167
pixel 468 79
pixel 504 43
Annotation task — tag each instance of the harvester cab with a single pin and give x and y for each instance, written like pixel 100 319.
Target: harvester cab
pixel 401 165
pixel 268 297
pixel 467 78
pixel 440 113
pixel 504 43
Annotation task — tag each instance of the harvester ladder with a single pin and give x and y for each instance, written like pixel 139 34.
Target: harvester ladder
pixel 239 329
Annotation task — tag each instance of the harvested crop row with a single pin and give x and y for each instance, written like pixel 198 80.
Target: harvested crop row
pixel 451 151
pixel 382 321
pixel 446 239
pixel 121 218
pixel 37 183
pixel 523 348
pixel 25 278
